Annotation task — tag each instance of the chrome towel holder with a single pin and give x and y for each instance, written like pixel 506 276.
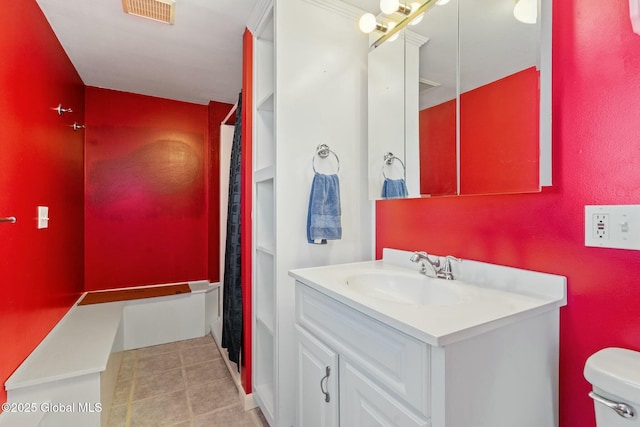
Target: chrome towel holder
pixel 389 158
pixel 323 152
pixel 10 219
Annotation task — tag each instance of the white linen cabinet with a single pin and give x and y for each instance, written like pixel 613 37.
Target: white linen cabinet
pixel 309 88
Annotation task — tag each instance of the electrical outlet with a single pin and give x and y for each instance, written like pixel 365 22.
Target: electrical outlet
pixel 600 223
pixel 612 226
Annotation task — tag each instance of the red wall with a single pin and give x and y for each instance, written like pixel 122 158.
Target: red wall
pixel 146 217
pixel 498 152
pixel 503 157
pixel 438 149
pixel 41 161
pixel 596 160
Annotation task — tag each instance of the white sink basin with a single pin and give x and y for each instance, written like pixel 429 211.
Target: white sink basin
pixel 405 288
pixel 439 312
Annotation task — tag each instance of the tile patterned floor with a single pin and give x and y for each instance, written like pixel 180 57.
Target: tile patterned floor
pixel 184 383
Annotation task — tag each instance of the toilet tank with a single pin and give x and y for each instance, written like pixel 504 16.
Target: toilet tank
pixel 615 376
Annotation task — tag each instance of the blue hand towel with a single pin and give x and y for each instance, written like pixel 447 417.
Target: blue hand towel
pixel 323 218
pixel 394 189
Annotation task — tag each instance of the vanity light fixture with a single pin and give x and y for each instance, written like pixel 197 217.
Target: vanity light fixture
pixel 417 11
pixel 392 6
pixel 526 11
pixel 368 23
pixel 389 7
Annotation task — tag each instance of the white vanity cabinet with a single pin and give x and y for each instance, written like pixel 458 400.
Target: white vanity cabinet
pixel 385 374
pixel 377 375
pixel 317 376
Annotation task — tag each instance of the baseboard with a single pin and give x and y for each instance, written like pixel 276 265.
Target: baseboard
pixel 247 400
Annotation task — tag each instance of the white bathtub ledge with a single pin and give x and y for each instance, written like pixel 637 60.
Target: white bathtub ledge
pixel 79 344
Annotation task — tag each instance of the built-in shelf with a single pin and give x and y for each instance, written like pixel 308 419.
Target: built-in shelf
pixel 265 394
pixel 266 103
pixel 264 225
pixel 266 324
pixel 264 218
pixel 264 59
pixel 264 174
pixel 263 385
pixel 269 250
pixel 265 291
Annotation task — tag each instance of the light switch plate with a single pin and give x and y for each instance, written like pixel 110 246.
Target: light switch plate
pixel 43 217
pixel 612 226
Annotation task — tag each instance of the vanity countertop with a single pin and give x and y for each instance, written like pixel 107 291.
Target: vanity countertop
pixel 491 296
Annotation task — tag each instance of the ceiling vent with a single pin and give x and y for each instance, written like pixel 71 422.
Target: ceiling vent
pixel 158 10
pixel 425 84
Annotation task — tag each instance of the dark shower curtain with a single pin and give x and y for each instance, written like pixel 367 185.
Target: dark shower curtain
pixel 232 287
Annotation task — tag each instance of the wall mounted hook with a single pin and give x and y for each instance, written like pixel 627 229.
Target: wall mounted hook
pixel 76 126
pixel 61 110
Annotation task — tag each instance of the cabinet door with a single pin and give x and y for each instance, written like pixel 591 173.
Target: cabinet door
pixel 364 403
pixel 317 385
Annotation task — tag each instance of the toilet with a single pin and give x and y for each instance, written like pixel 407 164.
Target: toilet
pixel 614 374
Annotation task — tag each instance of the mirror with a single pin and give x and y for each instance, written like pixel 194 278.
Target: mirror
pixel 474 117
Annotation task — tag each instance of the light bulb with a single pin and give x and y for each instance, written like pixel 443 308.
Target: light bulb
pixel 526 11
pixel 367 23
pixel 442 2
pixel 389 6
pixel 417 19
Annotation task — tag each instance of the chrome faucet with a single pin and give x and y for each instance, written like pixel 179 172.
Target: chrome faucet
pixel 424 259
pixel 441 270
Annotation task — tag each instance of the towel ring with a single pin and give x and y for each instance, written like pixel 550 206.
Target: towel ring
pixel 389 158
pixel 323 152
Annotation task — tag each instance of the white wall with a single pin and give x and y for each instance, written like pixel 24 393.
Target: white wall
pixel 386 89
pixel 321 97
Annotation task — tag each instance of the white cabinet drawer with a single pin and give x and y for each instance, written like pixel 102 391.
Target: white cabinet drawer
pixel 397 362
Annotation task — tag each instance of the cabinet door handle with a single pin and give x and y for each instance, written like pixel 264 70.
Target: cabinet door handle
pixel 327 397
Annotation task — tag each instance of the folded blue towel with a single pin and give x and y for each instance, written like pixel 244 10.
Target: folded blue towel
pixel 394 189
pixel 323 218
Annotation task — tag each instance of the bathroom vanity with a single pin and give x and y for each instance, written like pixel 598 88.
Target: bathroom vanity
pixel 380 344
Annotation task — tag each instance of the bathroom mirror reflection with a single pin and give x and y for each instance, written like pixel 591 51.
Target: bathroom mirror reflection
pixel 474 117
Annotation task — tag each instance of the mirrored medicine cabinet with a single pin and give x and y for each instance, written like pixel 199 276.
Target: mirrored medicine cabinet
pixel 460 103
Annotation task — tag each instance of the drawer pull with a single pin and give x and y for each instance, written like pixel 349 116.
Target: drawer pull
pixel 327 397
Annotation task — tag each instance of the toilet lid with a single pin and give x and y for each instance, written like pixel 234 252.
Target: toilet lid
pixel 616 371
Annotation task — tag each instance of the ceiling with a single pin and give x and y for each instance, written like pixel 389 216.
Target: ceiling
pixel 197 59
